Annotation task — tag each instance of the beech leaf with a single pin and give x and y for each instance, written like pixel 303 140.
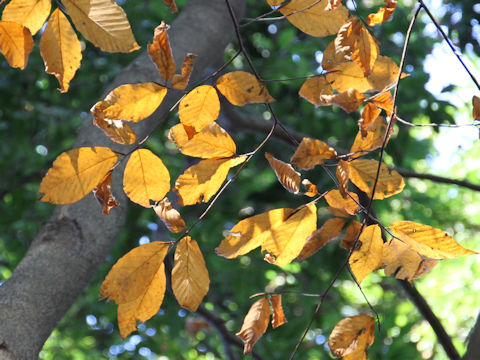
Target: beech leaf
pixel 255 324
pixel 169 216
pixel 161 53
pixel 199 107
pixel 16 43
pixel 241 88
pixel 29 13
pixel 382 15
pixel 180 134
pixel 116 130
pixel 288 177
pixel 369 114
pixel 278 316
pixel 374 137
pixel 335 199
pixel 348 100
pixel 104 195
pixel 348 333
pixel 351 234
pixel 384 101
pixel 211 142
pixel 313 89
pixel 367 256
pixel 343 173
pixel 312 152
pixel 181 81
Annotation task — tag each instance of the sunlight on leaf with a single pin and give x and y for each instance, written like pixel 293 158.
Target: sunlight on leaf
pixel 255 324
pixel 116 130
pixel 369 114
pixel 30 13
pixel 348 100
pixel 199 107
pixel 331 229
pixel 313 89
pixel 161 52
pixel 180 134
pixel 288 177
pixel 351 336
pixel 16 43
pixel 180 82
pixel 104 195
pixel 211 142
pixel 374 136
pixel 169 216
pixel 343 174
pixel 382 15
pixel 241 88
pixel 278 316
pixel 335 199
pixel 312 152
pixel 367 256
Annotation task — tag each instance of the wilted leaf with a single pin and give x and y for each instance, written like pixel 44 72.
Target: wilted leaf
pixel 288 177
pixel 320 237
pixel 103 23
pixel 369 114
pixel 104 195
pixel 199 107
pixel 382 15
pixel 60 49
pixel 367 256
pixel 180 134
pixel 29 13
pixel 311 188
pixel 116 130
pixel 363 173
pixel 181 81
pixel 255 324
pixel 169 216
pixel 146 178
pixel 373 138
pixel 131 102
pixel 348 100
pixel 333 4
pixel 356 43
pixel 312 152
pixel 343 173
pixel 476 107
pixel 335 199
pixel 278 317
pixel 190 280
pixel 428 241
pixel 211 142
pixel 16 43
pixel 133 274
pixel 351 234
pixel 313 89
pixel 346 335
pixel 384 101
pixel 161 53
pixel 201 181
pixel 314 20
pixel 241 88
pixel 75 173
pixel 172 4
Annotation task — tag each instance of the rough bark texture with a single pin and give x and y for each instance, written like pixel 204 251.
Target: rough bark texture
pixel 71 246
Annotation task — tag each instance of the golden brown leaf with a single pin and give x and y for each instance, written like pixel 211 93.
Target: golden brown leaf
pixel 60 49
pixel 75 173
pixel 180 134
pixel 338 212
pixel 16 43
pixel 104 195
pixel 367 256
pixel 29 13
pixel 343 173
pixel 161 53
pixel 278 317
pixel 373 138
pixel 382 15
pixel 335 199
pixel 190 280
pixel 211 142
pixel 181 81
pixel 241 88
pixel 310 16
pixel 384 101
pixel 312 152
pixel 169 216
pixel 428 241
pixel 288 177
pixel 346 335
pixel 331 57
pixel 146 178
pixel 333 4
pixel 199 107
pixel 351 234
pixel 320 237
pixel 172 5
pixel 131 102
pixel 369 114
pixel 103 23
pixel 363 174
pixel 348 100
pixel 201 181
pixel 476 107
pixel 384 73
pixel 275 2
pixel 311 188
pixel 116 130
pixel 255 324
pixel 313 89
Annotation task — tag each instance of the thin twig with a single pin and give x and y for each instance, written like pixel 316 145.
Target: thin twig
pixel 439 179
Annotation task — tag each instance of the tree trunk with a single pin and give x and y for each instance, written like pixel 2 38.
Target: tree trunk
pixel 70 247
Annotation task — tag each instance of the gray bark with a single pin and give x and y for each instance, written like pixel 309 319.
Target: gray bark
pixel 70 247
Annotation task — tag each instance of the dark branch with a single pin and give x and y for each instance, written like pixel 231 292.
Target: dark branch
pixel 439 179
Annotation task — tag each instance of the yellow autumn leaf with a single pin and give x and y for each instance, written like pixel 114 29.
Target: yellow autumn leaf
pixel 288 238
pixel 181 81
pixel 131 102
pixel 201 181
pixel 311 188
pixel 255 324
pixel 345 336
pixel 310 16
pixel 75 173
pixel 278 316
pixel 331 57
pixel 351 234
pixel 103 23
pixel 60 49
pixel 211 142
pixel 369 114
pixel 161 52
pixel 350 203
pixel 313 89
pixel 288 177
pixel 104 195
pixel 384 73
pixel 180 134
pixel 190 280
pixel 384 101
pixel 199 107
pixel 241 88
pixel 428 241
pixel 133 273
pixel 146 178
pixel 348 100
pixel 382 15
pixel 169 216
pixel 343 173
pixel 116 130
pixel 367 256
pixel 320 237
pixel 476 107
pixel 144 306
pixel 312 152
pixel 363 174
pixel 16 43
pixel 29 13
pixel 374 136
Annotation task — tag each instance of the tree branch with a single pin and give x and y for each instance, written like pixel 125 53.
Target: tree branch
pixel 438 179
pixel 473 349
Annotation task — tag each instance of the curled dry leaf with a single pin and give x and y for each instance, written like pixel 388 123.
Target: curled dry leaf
pixel 16 43
pixel 369 114
pixel 199 107
pixel 116 130
pixel 313 89
pixel 190 280
pixel 476 107
pixel 169 216
pixel 180 134
pixel 333 4
pixel 351 234
pixel 104 195
pixel 75 173
pixel 31 14
pixel 288 177
pixel 311 188
pixel 255 324
pixel 382 15
pixel 384 101
pixel 343 173
pixel 367 256
pixel 428 241
pixel 349 204
pixel 278 316
pixel 374 137
pixel 181 81
pixel 352 335
pixel 161 52
pixel 312 152
pixel 241 88
pixel 211 142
